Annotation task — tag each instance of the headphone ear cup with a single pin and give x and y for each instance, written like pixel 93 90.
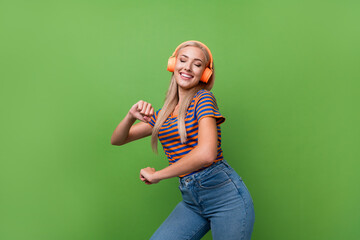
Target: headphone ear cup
pixel 206 75
pixel 171 64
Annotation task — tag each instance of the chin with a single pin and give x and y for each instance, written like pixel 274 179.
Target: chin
pixel 186 84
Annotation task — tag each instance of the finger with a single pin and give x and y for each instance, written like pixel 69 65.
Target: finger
pixel 148 108
pixel 140 105
pixel 144 108
pixel 151 111
pixel 141 174
pixel 147 119
pixel 141 118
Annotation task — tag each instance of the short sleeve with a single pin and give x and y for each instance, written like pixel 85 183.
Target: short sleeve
pixel 153 118
pixel 207 107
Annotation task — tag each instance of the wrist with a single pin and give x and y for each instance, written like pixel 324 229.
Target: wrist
pixel 130 117
pixel 157 176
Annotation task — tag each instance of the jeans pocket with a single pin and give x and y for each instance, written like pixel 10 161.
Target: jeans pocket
pixel 215 180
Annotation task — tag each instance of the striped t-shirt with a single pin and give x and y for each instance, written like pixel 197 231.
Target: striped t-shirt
pixel 202 105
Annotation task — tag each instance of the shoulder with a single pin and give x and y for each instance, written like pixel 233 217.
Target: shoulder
pixel 203 92
pixel 154 117
pixel 204 95
pixel 156 114
pixel 206 106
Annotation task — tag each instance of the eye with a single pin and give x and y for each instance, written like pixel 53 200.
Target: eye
pixel 182 60
pixel 198 65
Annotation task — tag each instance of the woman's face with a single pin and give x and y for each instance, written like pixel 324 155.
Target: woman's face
pixel 190 64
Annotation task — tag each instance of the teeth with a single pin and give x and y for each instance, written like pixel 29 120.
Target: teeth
pixel 185 75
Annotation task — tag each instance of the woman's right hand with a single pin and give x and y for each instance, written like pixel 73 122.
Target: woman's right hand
pixel 142 111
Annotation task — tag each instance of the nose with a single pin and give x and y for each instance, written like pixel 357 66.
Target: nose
pixel 187 66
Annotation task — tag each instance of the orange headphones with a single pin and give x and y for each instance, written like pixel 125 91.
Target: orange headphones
pixel 208 70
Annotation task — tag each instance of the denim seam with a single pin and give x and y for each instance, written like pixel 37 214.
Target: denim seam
pixel 216 186
pixel 209 173
pixel 245 205
pixel 193 198
pixel 242 180
pixel 208 170
pixel 196 231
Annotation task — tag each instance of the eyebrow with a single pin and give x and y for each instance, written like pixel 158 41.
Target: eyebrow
pixel 194 58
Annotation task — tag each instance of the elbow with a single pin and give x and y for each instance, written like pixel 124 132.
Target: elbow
pixel 113 142
pixel 209 156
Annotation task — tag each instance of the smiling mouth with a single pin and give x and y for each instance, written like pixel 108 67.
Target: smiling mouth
pixel 186 76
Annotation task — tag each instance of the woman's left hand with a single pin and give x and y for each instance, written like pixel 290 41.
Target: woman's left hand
pixel 147 175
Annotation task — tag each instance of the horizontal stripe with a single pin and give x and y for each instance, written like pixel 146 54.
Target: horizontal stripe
pixel 189 129
pixel 178 147
pixel 190 133
pixel 168 141
pixel 203 105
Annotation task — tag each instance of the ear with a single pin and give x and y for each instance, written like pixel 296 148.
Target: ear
pixel 206 75
pixel 171 64
pixel 211 81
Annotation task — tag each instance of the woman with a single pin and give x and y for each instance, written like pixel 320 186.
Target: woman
pixel 188 126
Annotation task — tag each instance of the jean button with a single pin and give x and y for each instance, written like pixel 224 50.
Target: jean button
pixel 187 180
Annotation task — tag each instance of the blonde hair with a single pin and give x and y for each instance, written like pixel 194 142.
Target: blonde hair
pixel 172 99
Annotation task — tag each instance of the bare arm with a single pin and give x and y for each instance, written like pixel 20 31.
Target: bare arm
pixel 126 132
pixel 203 155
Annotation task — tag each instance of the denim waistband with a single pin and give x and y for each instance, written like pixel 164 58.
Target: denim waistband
pixel 207 171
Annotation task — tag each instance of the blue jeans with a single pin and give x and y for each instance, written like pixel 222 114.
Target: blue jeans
pixel 215 198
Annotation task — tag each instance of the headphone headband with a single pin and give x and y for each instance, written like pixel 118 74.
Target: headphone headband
pixel 203 45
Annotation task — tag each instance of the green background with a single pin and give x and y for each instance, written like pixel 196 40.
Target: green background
pixel 287 80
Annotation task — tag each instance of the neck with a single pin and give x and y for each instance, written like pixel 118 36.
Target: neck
pixel 181 93
pixel 184 92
